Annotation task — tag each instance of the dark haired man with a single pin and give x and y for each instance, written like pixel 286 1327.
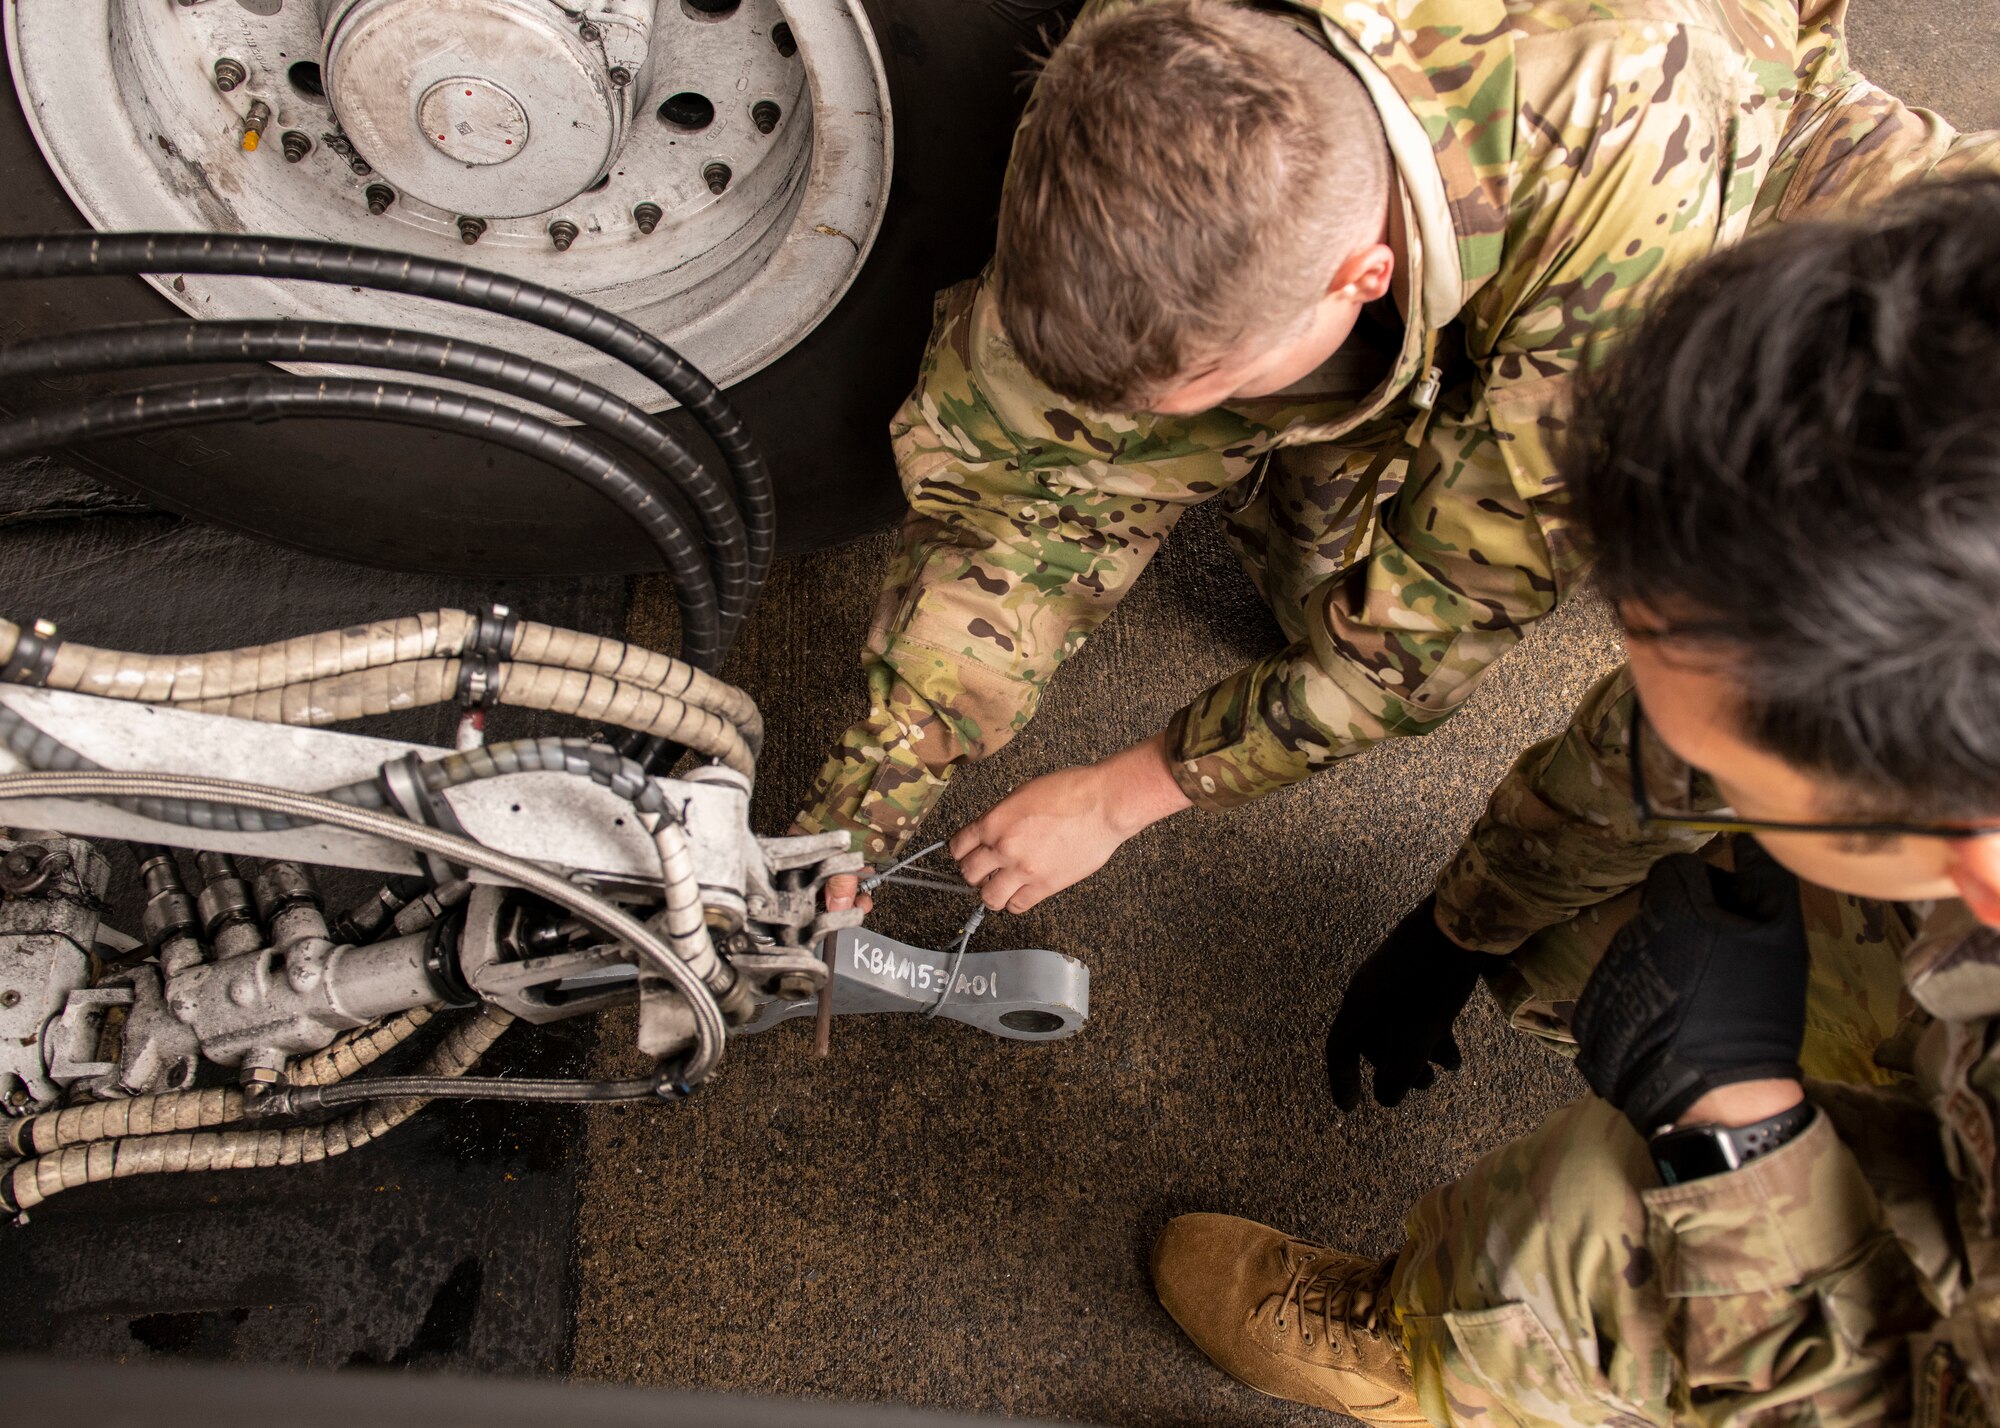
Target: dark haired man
pixel 1791 477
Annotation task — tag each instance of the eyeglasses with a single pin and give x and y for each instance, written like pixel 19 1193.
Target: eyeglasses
pixel 1721 820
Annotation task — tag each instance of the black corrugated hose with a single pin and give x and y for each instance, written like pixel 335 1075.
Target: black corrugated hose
pixel 110 349
pixel 714 586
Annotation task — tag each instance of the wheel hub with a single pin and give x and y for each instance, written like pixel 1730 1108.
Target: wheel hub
pixel 714 172
pixel 498 108
pixel 475 121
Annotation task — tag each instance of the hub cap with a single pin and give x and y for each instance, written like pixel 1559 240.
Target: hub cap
pixel 714 172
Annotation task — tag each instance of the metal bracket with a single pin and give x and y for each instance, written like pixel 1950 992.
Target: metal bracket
pixel 77 1031
pixel 1024 994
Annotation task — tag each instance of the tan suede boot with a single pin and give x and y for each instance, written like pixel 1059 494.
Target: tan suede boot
pixel 1291 1319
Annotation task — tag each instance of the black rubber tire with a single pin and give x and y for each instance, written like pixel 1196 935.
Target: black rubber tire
pixel 416 500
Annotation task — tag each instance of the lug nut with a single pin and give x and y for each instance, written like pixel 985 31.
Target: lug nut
pixel 230 74
pixel 620 75
pixel 562 233
pixel 296 145
pixel 647 215
pixel 589 33
pixel 470 229
pixel 716 175
pixel 379 196
pixel 361 166
pixel 253 125
pixel 765 115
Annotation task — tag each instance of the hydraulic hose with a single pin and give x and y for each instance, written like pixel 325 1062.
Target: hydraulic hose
pixel 682 915
pixel 440 634
pixel 523 686
pixel 169 1111
pixel 654 953
pixel 264 398
pixel 30 1182
pixel 107 349
pixel 222 255
pixel 306 1099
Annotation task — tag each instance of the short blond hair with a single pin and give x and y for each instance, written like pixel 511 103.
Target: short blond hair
pixel 1188 173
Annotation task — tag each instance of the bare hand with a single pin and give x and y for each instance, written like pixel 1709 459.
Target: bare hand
pixel 1057 830
pixel 843 890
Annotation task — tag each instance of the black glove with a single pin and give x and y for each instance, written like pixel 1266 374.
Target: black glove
pixel 1398 1009
pixel 1704 988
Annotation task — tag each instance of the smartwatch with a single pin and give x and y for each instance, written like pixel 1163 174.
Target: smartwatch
pixel 1685 1153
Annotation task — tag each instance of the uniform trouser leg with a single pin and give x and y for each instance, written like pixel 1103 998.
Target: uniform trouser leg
pixel 1558 1283
pixel 1514 1277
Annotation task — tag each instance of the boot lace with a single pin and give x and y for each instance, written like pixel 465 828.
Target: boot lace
pixel 1335 1289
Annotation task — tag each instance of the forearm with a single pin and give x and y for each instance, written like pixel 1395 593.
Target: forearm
pixel 1286 717
pixel 1145 789
pixel 889 768
pixel 1461 563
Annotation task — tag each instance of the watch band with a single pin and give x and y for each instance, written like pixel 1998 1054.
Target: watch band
pixel 1685 1153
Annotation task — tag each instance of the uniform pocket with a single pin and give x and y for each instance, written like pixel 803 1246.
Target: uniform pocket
pixel 1510 1371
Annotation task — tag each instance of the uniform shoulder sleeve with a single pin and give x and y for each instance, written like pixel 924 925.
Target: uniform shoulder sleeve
pixel 1029 520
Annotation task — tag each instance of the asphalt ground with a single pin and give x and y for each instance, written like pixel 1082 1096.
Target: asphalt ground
pixel 933 1217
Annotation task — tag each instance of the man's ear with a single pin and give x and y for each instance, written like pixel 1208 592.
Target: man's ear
pixel 1364 276
pixel 1974 865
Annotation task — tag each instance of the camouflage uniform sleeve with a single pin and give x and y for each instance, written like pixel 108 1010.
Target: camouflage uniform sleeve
pixel 1028 521
pixel 1561 832
pixel 1608 201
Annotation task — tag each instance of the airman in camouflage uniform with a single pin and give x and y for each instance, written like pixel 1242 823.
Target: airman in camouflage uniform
pixel 1712 1237
pixel 1558 161
pixel 1848 1277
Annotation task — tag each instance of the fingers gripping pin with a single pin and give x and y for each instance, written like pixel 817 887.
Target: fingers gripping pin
pixel 1026 994
pixel 889 873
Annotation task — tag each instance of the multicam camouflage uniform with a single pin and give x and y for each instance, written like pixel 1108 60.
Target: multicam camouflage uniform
pixel 1851 1277
pixel 1559 159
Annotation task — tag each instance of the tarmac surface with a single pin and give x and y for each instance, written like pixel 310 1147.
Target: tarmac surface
pixel 933 1217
